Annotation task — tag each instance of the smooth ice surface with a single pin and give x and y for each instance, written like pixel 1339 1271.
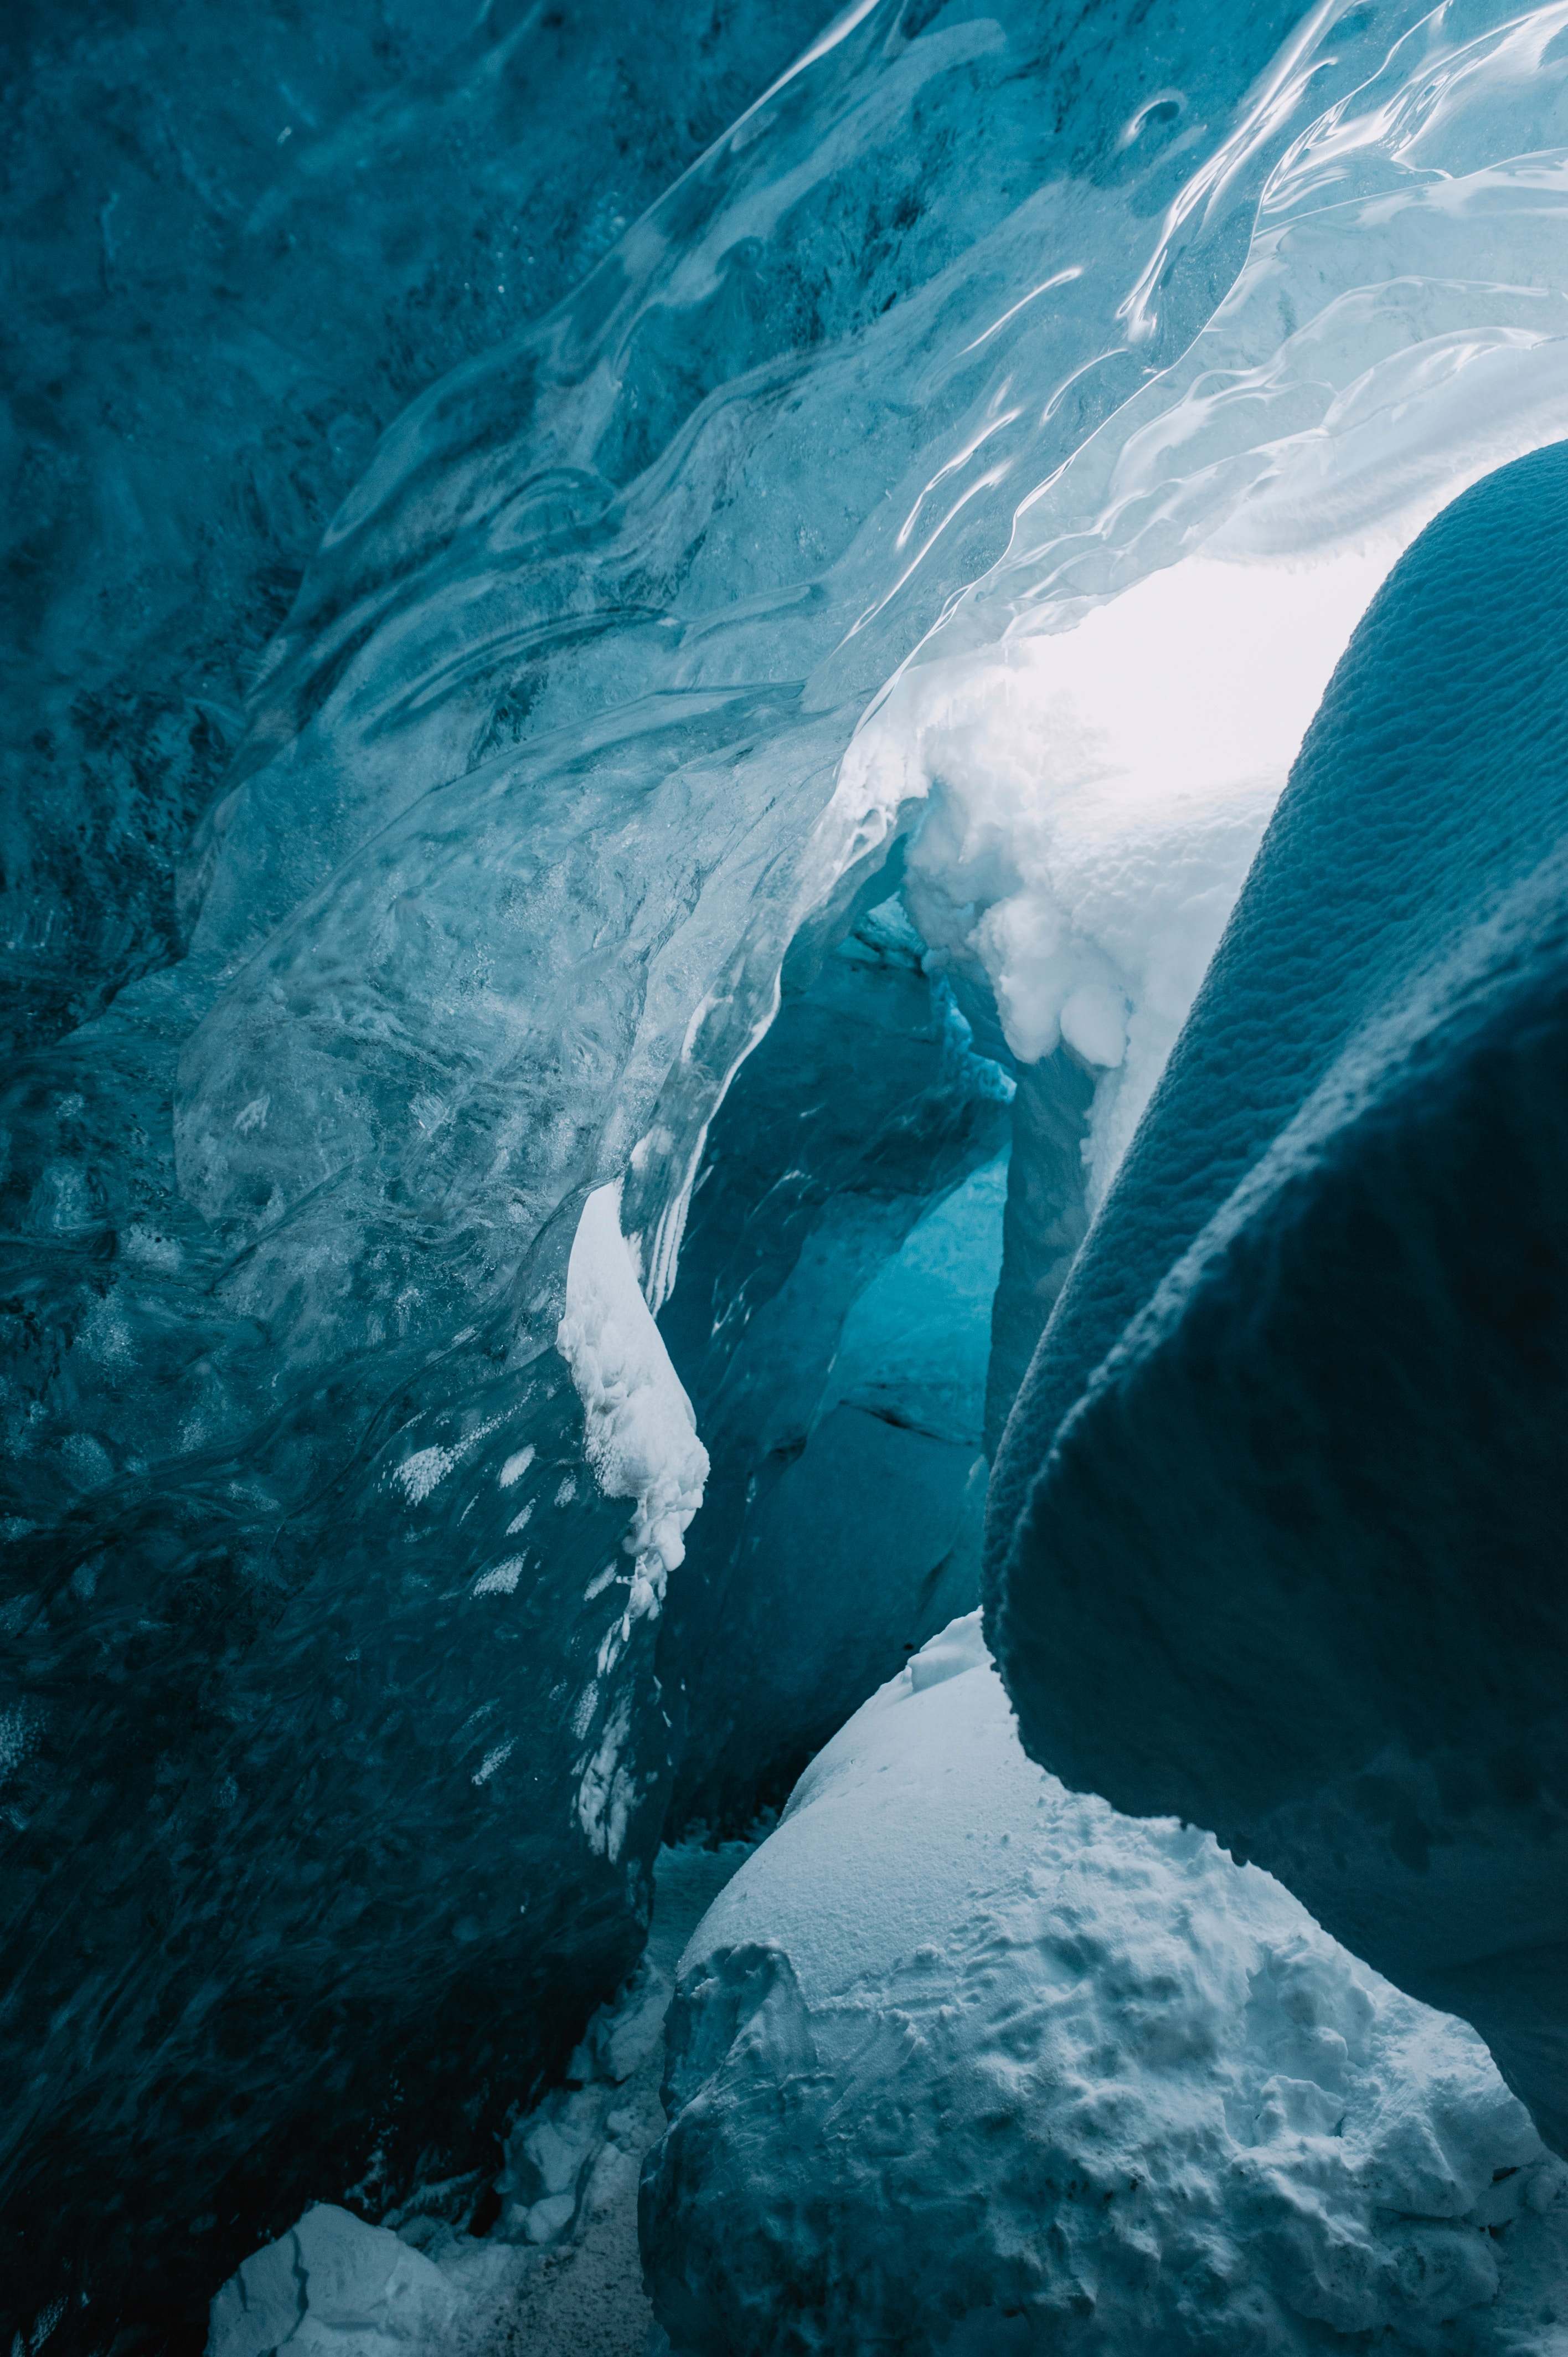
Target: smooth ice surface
pixel 963 2060
pixel 1276 1530
pixel 239 243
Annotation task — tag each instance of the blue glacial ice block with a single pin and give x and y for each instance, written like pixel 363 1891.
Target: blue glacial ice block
pixel 1276 1537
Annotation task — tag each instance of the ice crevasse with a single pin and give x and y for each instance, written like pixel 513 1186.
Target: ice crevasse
pixel 872 615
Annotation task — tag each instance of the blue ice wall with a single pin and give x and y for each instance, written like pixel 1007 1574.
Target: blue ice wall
pixel 306 1877
pixel 335 1752
pixel 238 242
pixel 832 1323
pixel 1276 1533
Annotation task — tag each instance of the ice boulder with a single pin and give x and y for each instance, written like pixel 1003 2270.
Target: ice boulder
pixel 1276 1536
pixel 332 2284
pixel 963 2060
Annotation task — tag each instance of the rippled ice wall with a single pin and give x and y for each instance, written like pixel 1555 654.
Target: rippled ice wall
pixel 977 460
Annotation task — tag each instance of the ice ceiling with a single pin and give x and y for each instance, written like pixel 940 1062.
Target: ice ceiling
pixel 547 1145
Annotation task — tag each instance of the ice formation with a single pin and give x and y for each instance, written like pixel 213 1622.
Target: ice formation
pixel 963 2060
pixel 833 1316
pixel 332 2284
pixel 832 634
pixel 556 2271
pixel 240 247
pixel 639 1435
pixel 1309 1366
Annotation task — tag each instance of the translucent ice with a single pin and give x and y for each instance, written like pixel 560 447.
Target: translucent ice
pixel 326 1706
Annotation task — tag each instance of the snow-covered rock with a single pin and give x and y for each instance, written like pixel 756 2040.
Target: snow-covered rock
pixel 963 2060
pixel 641 1435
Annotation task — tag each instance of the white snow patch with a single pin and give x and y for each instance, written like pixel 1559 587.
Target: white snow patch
pixel 517 1466
pixel 1095 798
pixel 956 2041
pixel 425 1471
pixel 502 1578
pixel 495 1759
pixel 607 1791
pixel 642 1435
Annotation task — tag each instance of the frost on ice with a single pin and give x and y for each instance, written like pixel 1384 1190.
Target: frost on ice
pixel 641 1436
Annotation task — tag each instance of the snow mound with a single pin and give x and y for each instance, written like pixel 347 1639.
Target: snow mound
pixel 969 2062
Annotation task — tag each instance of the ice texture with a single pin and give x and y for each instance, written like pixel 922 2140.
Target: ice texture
pixel 307 1877
pixel 1276 1535
pixel 239 243
pixel 330 2287
pixel 612 696
pixel 833 1318
pixel 555 2271
pixel 963 2060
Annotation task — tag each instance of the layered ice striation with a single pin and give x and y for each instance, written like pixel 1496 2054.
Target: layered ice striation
pixel 963 2060
pixel 826 521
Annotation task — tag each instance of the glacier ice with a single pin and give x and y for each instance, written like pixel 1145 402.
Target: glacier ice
pixel 237 246
pixel 960 2059
pixel 331 2285
pixel 832 1316
pixel 674 631
pixel 1276 1531
pixel 556 2274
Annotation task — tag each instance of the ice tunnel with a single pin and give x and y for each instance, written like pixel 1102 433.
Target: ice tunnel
pixel 757 757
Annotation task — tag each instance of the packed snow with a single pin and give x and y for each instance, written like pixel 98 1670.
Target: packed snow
pixel 641 1436
pixel 963 2060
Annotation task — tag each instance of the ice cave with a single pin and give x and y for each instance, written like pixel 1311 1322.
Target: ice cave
pixel 784 1400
